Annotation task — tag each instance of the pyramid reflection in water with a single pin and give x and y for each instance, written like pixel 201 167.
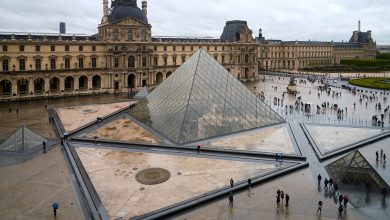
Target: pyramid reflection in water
pixel 202 100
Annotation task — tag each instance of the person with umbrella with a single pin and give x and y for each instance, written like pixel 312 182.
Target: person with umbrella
pixel 55 206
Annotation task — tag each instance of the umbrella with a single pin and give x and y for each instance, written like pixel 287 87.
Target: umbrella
pixel 55 205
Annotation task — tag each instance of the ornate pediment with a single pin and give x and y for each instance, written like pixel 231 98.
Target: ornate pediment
pixel 130 22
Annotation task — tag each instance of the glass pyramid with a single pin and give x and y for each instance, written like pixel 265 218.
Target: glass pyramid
pixel 202 100
pixel 22 140
pixel 354 169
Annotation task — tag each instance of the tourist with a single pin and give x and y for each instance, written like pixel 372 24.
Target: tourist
pixel 10 111
pixel 340 212
pixel 44 146
pixel 287 199
pixel 282 196
pixel 231 199
pixel 277 201
pixel 231 182
pixel 340 199
pixel 335 188
pixel 320 203
pixel 95 140
pixel 249 183
pixel 377 155
pixel 319 178
pixel 381 154
pixel 345 202
pixel 278 192
pixel 198 148
pixel 326 183
pixel 384 157
pixel 55 206
pixel 330 183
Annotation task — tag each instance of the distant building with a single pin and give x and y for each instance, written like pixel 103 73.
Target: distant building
pixel 124 55
pixel 62 28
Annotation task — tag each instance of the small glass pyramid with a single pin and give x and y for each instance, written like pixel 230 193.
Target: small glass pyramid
pixel 202 100
pixel 22 140
pixel 354 169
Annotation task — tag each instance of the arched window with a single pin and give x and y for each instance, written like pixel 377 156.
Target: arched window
pixel 130 34
pixel 143 35
pixel 115 34
pixel 131 62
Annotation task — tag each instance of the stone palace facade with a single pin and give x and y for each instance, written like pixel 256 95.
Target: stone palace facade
pixel 124 55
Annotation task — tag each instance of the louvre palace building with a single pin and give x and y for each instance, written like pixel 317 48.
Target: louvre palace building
pixel 124 55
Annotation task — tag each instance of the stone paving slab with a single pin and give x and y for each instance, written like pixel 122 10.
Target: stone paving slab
pixel 113 175
pixel 275 139
pixel 27 190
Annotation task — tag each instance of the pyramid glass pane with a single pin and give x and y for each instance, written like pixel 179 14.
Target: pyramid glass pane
pixel 354 169
pixel 202 100
pixel 22 140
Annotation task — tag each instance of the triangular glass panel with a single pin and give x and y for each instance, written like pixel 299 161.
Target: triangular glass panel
pixel 22 140
pixel 331 138
pixel 354 169
pixel 202 100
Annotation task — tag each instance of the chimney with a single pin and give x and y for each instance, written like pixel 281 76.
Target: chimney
pixel 105 11
pixel 62 28
pixel 145 7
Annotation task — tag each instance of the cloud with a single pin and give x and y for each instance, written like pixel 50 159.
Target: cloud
pixel 280 19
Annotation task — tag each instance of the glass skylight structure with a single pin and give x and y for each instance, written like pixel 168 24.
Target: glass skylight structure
pixel 200 100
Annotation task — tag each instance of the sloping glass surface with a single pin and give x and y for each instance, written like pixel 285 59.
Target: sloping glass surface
pixel 22 140
pixel 141 94
pixel 354 169
pixel 202 100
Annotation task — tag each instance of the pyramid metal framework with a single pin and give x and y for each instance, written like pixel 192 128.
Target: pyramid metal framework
pixel 200 100
pixel 354 169
pixel 22 140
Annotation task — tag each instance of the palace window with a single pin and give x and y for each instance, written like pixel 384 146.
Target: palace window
pixel 5 48
pixel 5 65
pixel 21 48
pixel 216 57
pixel 165 48
pixel 93 48
pixel 143 36
pixel 174 60
pixel 174 48
pixel 144 61
pixel 223 59
pixel 81 48
pixel 81 63
pixel 246 58
pixel 129 34
pixel 93 62
pixel 155 61
pixel 115 35
pixel 183 48
pixel 165 61
pixel 183 59
pixel 53 64
pixel 67 48
pixel 37 48
pixel 116 62
pixel 52 48
pixel 155 48
pixel 131 62
pixel 38 65
pixel 67 63
pixel 22 64
pixel 192 48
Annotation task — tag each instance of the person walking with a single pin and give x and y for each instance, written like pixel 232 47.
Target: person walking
pixel 44 146
pixel 230 199
pixel 198 148
pixel 319 209
pixel 319 178
pixel 330 183
pixel 249 183
pixel 231 182
pixel 384 157
pixel 277 201
pixel 340 199
pixel 340 212
pixel 335 188
pixel 381 154
pixel 95 140
pixel 345 202
pixel 55 206
pixel 377 156
pixel 326 181
pixel 287 199
pixel 282 196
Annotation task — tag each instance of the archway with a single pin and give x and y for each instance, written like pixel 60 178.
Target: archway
pixel 97 82
pixel 131 62
pixel 131 81
pixel 69 84
pixel 159 78
pixel 54 85
pixel 23 87
pixel 168 74
pixel 83 83
pixel 5 88
pixel 246 73
pixel 39 86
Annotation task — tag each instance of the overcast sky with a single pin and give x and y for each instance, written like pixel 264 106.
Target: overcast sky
pixel 323 20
